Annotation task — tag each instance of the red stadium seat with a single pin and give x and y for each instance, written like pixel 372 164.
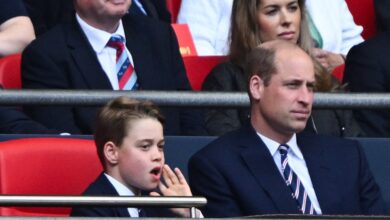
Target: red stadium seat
pixel 173 7
pixel 364 14
pixel 338 72
pixel 46 166
pixel 198 67
pixel 10 73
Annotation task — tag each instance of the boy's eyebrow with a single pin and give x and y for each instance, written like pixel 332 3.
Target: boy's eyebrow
pixel 151 140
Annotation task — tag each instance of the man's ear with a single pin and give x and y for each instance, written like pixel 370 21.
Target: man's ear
pixel 111 153
pixel 256 87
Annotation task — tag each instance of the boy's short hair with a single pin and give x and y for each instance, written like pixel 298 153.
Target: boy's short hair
pixel 114 120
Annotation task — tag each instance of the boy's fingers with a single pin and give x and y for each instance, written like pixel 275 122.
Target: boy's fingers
pixel 162 188
pixel 154 194
pixel 169 176
pixel 180 176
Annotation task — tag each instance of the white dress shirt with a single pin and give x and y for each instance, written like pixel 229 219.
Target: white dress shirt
pixel 106 55
pixel 123 191
pixel 297 164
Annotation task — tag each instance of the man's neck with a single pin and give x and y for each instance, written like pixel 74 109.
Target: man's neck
pixel 107 25
pixel 269 132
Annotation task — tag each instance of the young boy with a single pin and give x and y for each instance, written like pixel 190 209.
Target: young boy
pixel 130 144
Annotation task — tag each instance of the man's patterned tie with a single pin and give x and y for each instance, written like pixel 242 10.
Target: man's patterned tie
pixel 292 180
pixel 127 77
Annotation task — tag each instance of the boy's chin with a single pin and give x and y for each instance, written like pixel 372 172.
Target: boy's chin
pixel 150 187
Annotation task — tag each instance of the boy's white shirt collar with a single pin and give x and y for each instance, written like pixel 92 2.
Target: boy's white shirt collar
pixel 122 190
pixel 119 187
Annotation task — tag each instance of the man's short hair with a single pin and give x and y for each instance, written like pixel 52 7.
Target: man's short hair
pixel 261 62
pixel 114 120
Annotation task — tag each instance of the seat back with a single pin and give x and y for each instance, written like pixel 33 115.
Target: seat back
pixel 46 166
pixel 10 71
pixel 173 7
pixel 363 13
pixel 338 72
pixel 198 67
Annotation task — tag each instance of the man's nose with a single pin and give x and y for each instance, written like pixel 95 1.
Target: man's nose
pixel 306 95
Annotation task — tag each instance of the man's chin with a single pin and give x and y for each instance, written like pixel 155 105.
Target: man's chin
pixel 298 127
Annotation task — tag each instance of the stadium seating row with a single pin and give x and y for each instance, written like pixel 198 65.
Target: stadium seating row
pixel 198 67
pixel 65 166
pixel 362 11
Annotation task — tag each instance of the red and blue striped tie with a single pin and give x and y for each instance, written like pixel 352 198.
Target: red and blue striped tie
pixel 292 180
pixel 127 78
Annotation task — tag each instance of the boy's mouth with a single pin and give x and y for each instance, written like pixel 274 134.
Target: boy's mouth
pixel 156 171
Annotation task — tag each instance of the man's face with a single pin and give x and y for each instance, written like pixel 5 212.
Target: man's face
pixel 285 103
pixel 102 9
pixel 141 155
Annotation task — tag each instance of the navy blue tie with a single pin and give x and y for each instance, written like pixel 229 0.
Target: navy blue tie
pixel 292 181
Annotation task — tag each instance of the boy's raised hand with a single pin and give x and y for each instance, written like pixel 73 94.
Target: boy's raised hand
pixel 176 185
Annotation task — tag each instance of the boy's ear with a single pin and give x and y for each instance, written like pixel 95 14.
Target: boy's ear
pixel 111 153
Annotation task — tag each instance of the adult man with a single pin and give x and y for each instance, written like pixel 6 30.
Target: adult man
pixel 367 69
pixel 89 53
pixel 45 14
pixel 260 165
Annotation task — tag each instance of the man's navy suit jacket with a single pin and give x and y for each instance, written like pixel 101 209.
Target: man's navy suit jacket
pixel 102 187
pixel 62 58
pixel 238 176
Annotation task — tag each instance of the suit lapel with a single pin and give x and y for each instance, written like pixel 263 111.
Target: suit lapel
pixel 261 164
pixel 85 58
pixel 137 42
pixel 149 8
pixel 109 190
pixel 320 173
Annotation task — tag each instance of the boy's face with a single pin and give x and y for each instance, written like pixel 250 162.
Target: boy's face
pixel 141 155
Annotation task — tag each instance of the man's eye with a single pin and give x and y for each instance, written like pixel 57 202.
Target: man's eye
pixel 311 87
pixel 292 85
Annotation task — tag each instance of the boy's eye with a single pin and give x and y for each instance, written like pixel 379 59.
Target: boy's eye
pixel 145 147
pixel 161 147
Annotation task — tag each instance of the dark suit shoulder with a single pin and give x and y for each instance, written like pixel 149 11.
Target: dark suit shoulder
pixel 101 186
pixel 325 139
pixel 54 35
pixel 379 42
pixel 51 44
pixel 145 23
pixel 372 51
pixel 333 146
pixel 228 143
